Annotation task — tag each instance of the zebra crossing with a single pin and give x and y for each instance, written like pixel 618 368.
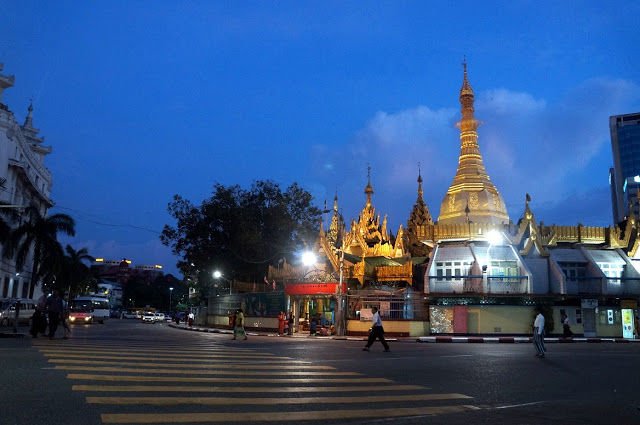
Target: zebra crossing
pixel 215 383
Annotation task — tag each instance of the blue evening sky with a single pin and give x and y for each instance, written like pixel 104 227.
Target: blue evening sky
pixel 142 100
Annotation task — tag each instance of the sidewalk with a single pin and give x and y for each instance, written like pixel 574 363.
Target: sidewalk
pixel 421 339
pixel 7 332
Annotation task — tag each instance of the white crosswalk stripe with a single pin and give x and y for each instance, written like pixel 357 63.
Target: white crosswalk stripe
pixel 214 383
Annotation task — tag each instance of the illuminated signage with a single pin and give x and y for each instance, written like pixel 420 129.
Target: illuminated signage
pixel 306 288
pixel 627 323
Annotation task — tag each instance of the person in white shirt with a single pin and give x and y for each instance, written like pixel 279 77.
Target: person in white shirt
pixel 538 333
pixel 377 331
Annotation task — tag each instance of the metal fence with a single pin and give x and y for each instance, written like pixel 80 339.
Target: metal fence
pixel 410 306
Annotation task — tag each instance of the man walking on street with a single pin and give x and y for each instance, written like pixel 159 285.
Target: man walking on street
pixel 377 331
pixel 538 333
pixel 54 309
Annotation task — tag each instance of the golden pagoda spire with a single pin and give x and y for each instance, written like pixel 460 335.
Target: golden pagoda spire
pixel 472 197
pixel 368 190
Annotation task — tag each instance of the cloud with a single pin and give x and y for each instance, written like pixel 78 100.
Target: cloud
pixel 556 150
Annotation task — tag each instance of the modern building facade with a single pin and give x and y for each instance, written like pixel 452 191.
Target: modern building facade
pixel 624 177
pixel 24 181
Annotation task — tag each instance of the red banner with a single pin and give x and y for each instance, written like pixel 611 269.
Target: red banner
pixel 307 288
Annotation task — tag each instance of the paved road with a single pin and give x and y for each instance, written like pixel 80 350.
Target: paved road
pixel 127 372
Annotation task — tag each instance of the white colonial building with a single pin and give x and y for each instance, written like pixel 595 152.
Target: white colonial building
pixel 24 181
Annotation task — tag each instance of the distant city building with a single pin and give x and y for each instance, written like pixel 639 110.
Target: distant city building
pixel 624 177
pixel 24 181
pixel 122 270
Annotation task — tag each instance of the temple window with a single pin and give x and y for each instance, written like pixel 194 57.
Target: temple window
pixel 452 270
pixel 574 271
pixel 612 270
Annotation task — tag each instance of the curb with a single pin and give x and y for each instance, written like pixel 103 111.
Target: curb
pixel 11 335
pixel 273 335
pixel 517 340
pixel 423 339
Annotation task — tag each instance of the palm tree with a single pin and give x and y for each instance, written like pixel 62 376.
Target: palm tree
pixel 41 233
pixel 75 273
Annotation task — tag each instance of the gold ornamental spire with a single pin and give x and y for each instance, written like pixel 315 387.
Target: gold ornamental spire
pixel 368 190
pixel 472 197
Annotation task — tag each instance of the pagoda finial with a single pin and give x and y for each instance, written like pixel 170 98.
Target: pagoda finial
pixel 28 121
pixel 335 202
pixel 466 89
pixel 368 190
pixel 420 192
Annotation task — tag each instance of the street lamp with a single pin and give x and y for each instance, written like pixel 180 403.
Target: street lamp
pixel 170 294
pixel 217 274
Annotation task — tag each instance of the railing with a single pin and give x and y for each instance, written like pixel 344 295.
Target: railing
pixel 479 284
pixel 394 307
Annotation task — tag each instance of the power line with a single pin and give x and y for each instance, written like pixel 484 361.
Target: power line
pixel 101 223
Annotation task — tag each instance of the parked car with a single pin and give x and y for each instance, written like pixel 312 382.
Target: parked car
pixel 8 310
pixel 148 317
pixel 159 317
pixel 130 315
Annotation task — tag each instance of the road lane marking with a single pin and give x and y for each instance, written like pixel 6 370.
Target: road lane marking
pixel 511 406
pixel 190 365
pixel 457 355
pixel 191 359
pixel 144 378
pixel 243 417
pixel 235 389
pixel 142 353
pixel 235 401
pixel 187 371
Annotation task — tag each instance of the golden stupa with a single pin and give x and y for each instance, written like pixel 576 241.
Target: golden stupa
pixel 472 197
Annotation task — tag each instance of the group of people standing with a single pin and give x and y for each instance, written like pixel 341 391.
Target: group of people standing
pixel 50 311
pixel 285 323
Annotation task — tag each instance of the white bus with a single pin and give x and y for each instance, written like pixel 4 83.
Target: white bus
pixel 89 309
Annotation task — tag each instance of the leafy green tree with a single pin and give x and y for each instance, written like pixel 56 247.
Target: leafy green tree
pixel 240 232
pixel 40 233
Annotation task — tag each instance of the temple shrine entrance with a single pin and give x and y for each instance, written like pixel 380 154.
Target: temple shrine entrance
pixel 314 306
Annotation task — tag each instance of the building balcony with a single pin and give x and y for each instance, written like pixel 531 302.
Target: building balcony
pixel 480 285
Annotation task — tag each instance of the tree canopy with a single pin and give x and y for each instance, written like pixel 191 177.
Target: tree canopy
pixel 239 232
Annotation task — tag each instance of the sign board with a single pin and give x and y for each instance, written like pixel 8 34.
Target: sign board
pixel 366 314
pixel 307 288
pixel 589 303
pixel 627 323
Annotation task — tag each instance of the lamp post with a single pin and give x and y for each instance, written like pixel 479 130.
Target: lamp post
pixel 340 316
pixel 170 294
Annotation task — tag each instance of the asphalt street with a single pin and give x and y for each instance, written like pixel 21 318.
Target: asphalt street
pixel 128 372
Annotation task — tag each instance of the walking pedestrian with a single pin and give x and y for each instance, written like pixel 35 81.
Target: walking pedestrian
pixel 566 328
pixel 63 319
pixel 377 331
pixel 238 329
pixel 538 333
pixel 54 310
pixel 190 318
pixel 39 318
pixel 282 320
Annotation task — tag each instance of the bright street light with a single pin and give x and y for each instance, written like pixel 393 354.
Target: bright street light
pixel 308 258
pixel 494 237
pixel 217 274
